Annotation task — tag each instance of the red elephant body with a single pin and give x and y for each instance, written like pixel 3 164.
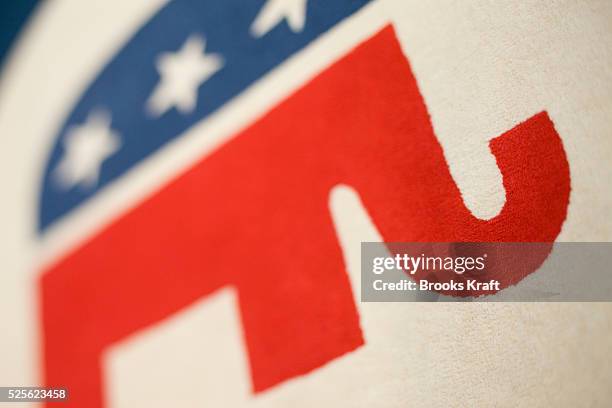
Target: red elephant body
pixel 254 214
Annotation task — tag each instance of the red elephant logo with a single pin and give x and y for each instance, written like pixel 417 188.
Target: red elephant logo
pixel 254 215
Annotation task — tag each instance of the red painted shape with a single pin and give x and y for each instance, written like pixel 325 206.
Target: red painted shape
pixel 262 200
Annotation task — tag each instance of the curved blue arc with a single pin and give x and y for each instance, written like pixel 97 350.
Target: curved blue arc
pixel 126 83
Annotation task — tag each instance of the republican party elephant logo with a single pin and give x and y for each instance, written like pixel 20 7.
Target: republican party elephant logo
pixel 262 198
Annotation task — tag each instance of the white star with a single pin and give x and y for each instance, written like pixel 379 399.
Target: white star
pixel 275 11
pixel 85 148
pixel 181 74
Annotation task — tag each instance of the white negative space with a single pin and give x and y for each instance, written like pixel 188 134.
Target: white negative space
pixel 192 359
